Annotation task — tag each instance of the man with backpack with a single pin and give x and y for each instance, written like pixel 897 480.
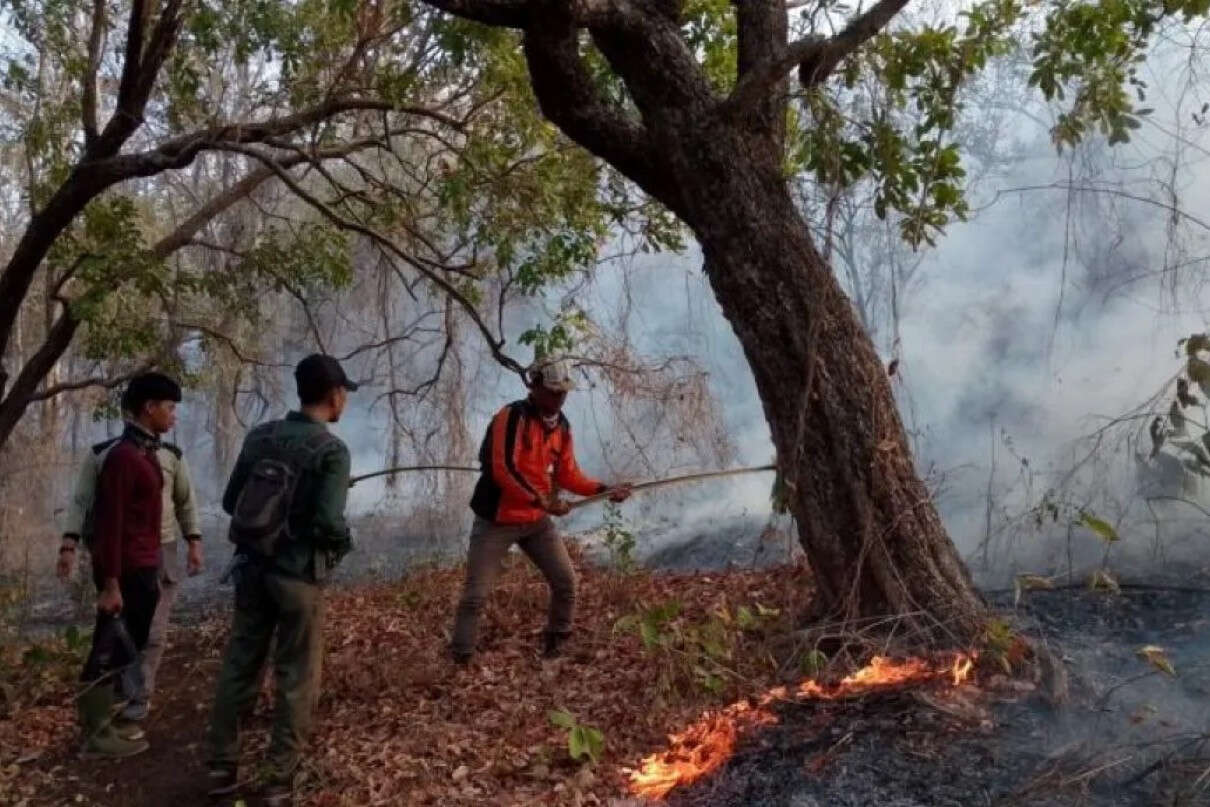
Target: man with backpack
pixel 179 508
pixel 286 498
pixel 125 548
pixel 526 456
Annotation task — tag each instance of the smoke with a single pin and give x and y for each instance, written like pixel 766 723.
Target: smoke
pixel 1027 327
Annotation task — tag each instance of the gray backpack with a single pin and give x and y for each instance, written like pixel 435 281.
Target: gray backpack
pixel 260 522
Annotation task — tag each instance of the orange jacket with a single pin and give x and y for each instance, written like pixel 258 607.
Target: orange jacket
pixel 522 460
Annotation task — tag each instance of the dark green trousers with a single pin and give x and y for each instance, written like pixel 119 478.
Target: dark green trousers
pixel 267 602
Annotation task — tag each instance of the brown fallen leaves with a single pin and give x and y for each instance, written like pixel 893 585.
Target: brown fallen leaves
pixel 397 724
pixel 400 725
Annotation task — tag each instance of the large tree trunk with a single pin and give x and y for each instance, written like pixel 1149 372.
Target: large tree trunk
pixel 871 533
pixel 864 517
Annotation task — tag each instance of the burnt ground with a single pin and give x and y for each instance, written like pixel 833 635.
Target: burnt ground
pixel 1129 734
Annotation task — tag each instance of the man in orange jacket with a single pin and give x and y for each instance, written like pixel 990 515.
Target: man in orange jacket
pixel 527 452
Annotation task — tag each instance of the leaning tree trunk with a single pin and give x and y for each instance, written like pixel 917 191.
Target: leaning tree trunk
pixel 870 531
pixel 872 536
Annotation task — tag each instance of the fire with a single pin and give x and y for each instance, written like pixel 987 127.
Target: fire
pixel 698 750
pixel 706 745
pixel 963 664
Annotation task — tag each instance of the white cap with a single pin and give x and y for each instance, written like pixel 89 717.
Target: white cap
pixel 554 374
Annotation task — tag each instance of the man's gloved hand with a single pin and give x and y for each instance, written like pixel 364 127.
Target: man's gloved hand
pixel 620 492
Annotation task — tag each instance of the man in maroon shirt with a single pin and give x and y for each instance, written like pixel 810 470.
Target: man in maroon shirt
pixel 125 561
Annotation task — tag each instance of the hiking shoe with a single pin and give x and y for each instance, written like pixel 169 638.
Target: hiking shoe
pixel 461 657
pixel 221 781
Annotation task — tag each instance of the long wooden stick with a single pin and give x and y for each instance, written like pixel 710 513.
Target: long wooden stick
pixel 403 469
pixel 657 483
pixel 672 480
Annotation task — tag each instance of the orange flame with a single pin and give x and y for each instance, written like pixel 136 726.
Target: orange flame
pixel 704 746
pixel 963 664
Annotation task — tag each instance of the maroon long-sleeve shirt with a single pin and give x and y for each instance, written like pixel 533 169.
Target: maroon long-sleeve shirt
pixel 127 510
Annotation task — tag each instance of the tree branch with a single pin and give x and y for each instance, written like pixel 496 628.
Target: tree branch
pixel 568 96
pixel 139 72
pixel 815 57
pixel 232 345
pixel 88 110
pixel 761 30
pixel 494 344
pixel 107 382
pixel 134 55
pixel 496 13
pixel 523 14
pixel 181 150
pixel 14 403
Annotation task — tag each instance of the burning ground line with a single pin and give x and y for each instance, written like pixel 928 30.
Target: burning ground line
pixel 706 745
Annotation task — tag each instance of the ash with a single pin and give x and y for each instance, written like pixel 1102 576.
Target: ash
pixel 1128 734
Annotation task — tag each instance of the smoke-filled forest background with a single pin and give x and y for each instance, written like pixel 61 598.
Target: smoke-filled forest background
pixel 1031 346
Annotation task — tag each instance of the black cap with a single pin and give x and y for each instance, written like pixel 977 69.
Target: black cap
pixel 319 373
pixel 149 387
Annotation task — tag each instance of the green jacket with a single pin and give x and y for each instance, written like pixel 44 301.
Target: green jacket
pixel 180 503
pixel 317 521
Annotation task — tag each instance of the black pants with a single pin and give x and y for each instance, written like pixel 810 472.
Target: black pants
pixel 118 639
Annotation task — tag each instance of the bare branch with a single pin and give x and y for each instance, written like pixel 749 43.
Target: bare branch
pixel 181 150
pixel 420 389
pixel 89 102
pixel 228 341
pixel 106 382
pixel 184 234
pixel 815 57
pixel 494 344
pixel 13 404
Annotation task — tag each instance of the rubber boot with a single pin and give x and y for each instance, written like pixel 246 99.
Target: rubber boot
pixel 554 644
pixel 127 729
pixel 100 740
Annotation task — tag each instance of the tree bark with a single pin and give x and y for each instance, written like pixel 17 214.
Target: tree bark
pixel 873 538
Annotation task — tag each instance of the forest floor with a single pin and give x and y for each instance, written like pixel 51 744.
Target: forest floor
pixel 680 674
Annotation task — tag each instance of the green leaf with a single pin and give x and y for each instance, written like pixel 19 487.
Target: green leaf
pixel 35 655
pixel 561 718
pixel 1157 658
pixel 814 662
pixel 585 741
pixel 650 633
pixel 1102 528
